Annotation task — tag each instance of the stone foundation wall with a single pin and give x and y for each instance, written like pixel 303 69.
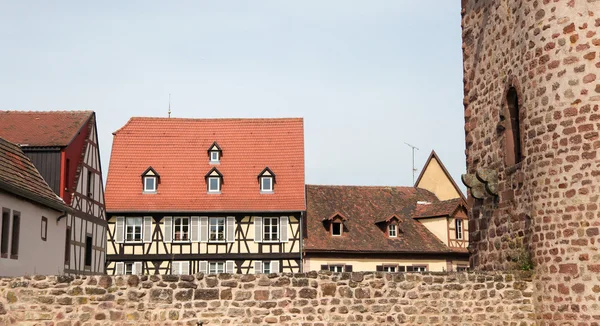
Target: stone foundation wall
pixel 313 298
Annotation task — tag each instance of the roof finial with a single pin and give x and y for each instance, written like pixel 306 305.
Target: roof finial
pixel 169 105
pixel 413 160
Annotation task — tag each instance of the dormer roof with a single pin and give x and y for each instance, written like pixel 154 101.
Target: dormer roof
pixel 150 172
pixel 336 215
pixel 215 147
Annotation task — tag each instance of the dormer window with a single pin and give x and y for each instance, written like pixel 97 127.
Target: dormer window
pixel 266 180
pixel 150 181
pixel 336 228
pixel 392 230
pixel 335 224
pixel 214 179
pixel 214 153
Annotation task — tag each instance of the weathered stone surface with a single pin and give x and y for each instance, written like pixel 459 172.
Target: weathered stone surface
pixel 206 294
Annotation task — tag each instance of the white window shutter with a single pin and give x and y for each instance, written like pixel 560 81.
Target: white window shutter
pixel 203 267
pixel 230 228
pixel 175 268
pixel 257 267
pixel 194 229
pixel 168 234
pixel 137 268
pixel 120 230
pixel 229 266
pixel 119 268
pixel 147 229
pixel 185 268
pixel 258 231
pixel 274 266
pixel 203 228
pixel 283 232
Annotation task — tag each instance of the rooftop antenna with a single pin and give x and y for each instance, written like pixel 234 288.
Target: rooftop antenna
pixel 413 160
pixel 169 105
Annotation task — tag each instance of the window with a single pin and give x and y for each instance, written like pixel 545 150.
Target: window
pixel 90 183
pixel 5 232
pixel 149 184
pixel 133 229
pixel 336 268
pixel 459 229
pixel 267 267
pixel 336 228
pixel 216 229
pixel 391 269
pixel 513 153
pixel 214 184
pixel 181 227
pixel 460 268
pixel 271 229
pixel 129 269
pixel 214 156
pixel 68 246
pixel 16 227
pixel 419 268
pixel 216 267
pixel 180 268
pixel 88 250
pixel 266 184
pixel 44 228
pixel 392 230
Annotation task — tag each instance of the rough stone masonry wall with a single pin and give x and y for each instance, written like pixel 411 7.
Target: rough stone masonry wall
pixel 548 205
pixel 287 299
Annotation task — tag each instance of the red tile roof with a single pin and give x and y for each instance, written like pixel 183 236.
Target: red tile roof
pixel 442 208
pixel 42 128
pixel 177 149
pixel 365 207
pixel 20 177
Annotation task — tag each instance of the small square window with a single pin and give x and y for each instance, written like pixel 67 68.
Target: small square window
pixel 214 184
pixel 267 267
pixel 266 184
pixel 214 156
pixel 216 267
pixel 392 230
pixel 391 269
pixel 336 228
pixel 336 268
pixel 149 184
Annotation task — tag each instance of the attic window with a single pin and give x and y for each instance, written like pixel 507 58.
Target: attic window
pixel 214 153
pixel 150 180
pixel 266 180
pixel 392 230
pixel 336 228
pixel 214 180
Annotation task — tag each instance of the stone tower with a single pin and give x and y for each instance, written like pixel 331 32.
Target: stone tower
pixel 532 123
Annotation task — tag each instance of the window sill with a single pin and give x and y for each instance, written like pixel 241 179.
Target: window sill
pixel 149 192
pixel 181 241
pixel 214 162
pixel 133 241
pixel 217 241
pixel 213 192
pixel 271 241
pixel 262 192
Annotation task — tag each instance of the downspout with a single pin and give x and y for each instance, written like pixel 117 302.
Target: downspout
pixel 64 214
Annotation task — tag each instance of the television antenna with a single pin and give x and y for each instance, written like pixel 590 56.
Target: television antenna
pixel 169 105
pixel 413 160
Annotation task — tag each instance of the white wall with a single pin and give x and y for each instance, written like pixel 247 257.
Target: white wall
pixel 36 257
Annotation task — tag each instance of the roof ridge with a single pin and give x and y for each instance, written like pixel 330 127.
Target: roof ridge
pixel 212 119
pixel 362 186
pixel 48 112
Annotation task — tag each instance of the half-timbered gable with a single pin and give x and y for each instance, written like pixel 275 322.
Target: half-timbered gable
pixel 207 211
pixel 63 145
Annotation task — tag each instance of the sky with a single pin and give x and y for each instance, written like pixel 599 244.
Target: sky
pixel 366 76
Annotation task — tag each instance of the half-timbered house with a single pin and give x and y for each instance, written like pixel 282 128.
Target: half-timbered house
pixel 206 195
pixel 63 146
pixel 394 229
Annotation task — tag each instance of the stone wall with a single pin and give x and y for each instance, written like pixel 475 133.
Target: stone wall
pixel 313 298
pixel 546 213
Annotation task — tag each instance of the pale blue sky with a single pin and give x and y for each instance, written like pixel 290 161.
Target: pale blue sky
pixel 366 76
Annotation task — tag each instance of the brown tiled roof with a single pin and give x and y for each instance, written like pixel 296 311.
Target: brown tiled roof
pixel 441 208
pixel 364 207
pixel 177 150
pixel 20 177
pixel 41 128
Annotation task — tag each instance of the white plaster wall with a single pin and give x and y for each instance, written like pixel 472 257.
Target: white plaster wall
pixel 36 257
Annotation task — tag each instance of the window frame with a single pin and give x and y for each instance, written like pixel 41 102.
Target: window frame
pixel 262 185
pixel 332 268
pixel 141 231
pixel 213 153
pixel 341 226
pixel 5 236
pixel 89 250
pixel 90 184
pixel 181 226
pixel 216 265
pixel 266 267
pixel 216 225
pixel 277 233
pixel 68 246
pixel 146 189
pixel 387 268
pixel 44 228
pixel 458 229
pixel 393 226
pixel 417 268
pixel 15 234
pixel 213 191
